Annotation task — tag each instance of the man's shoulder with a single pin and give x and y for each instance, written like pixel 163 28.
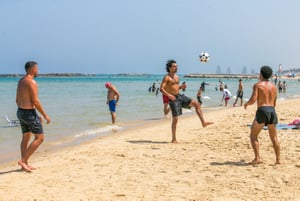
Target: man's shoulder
pixel 27 81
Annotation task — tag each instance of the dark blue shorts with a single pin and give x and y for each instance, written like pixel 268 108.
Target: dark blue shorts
pixel 240 94
pixel 181 101
pixel 266 115
pixel 30 121
pixel 112 105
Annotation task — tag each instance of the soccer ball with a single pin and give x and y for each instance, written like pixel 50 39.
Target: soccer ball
pixel 204 57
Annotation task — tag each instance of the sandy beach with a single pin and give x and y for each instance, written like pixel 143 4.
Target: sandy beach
pixel 141 164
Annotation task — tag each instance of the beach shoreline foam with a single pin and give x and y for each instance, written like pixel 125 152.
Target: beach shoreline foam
pixel 140 163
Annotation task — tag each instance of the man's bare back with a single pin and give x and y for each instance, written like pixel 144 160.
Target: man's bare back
pixel 24 93
pixel 264 92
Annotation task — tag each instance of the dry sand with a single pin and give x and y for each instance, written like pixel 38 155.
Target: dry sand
pixel 140 164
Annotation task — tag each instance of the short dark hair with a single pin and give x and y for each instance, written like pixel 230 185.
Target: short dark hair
pixel 29 65
pixel 169 64
pixel 266 72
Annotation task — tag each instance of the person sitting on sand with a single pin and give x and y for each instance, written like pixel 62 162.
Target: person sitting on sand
pixel 265 93
pixel 170 87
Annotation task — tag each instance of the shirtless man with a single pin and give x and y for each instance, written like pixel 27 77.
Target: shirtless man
pixel 112 99
pixel 170 88
pixel 28 102
pixel 239 93
pixel 265 93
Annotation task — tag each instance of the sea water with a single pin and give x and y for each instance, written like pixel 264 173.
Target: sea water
pixel 78 110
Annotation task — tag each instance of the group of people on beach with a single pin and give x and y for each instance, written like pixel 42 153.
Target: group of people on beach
pixel 227 94
pixel 264 93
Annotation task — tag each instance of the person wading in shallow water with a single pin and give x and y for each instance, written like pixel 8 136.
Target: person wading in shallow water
pixel 113 97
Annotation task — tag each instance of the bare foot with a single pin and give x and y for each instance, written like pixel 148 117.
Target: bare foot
pixel 174 142
pixel 31 167
pixel 255 162
pixel 24 166
pixel 277 163
pixel 207 124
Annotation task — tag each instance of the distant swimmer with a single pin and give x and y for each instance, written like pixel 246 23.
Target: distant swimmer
pixel 183 86
pixel 265 94
pixel 31 123
pixel 113 97
pixel 221 85
pixel 203 85
pixel 170 88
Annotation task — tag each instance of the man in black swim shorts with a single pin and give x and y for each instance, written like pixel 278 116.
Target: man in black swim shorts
pixel 265 94
pixel 28 102
pixel 180 102
pixel 30 121
pixel 170 87
pixel 266 115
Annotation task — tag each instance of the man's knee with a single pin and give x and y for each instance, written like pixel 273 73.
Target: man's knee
pixel 39 138
pixel 194 103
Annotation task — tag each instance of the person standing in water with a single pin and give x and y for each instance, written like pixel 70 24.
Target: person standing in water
pixel 226 95
pixel 113 97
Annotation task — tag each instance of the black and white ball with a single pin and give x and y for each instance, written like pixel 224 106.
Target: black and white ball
pixel 204 57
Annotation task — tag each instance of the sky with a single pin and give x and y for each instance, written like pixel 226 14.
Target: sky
pixel 139 36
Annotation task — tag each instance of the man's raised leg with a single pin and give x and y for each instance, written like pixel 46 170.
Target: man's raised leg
pixel 197 107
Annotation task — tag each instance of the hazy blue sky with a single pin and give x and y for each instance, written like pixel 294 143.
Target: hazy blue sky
pixel 139 36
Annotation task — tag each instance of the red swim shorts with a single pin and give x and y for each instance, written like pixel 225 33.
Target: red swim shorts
pixel 165 99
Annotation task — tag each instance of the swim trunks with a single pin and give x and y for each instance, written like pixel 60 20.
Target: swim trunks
pixel 240 94
pixel 266 114
pixel 199 98
pixel 165 98
pixel 112 105
pixel 176 105
pixel 29 121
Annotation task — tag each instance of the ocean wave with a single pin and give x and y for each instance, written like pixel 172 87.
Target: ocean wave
pixel 105 129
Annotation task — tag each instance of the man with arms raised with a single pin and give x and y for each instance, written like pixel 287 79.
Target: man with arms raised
pixel 170 87
pixel 265 93
pixel 28 102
